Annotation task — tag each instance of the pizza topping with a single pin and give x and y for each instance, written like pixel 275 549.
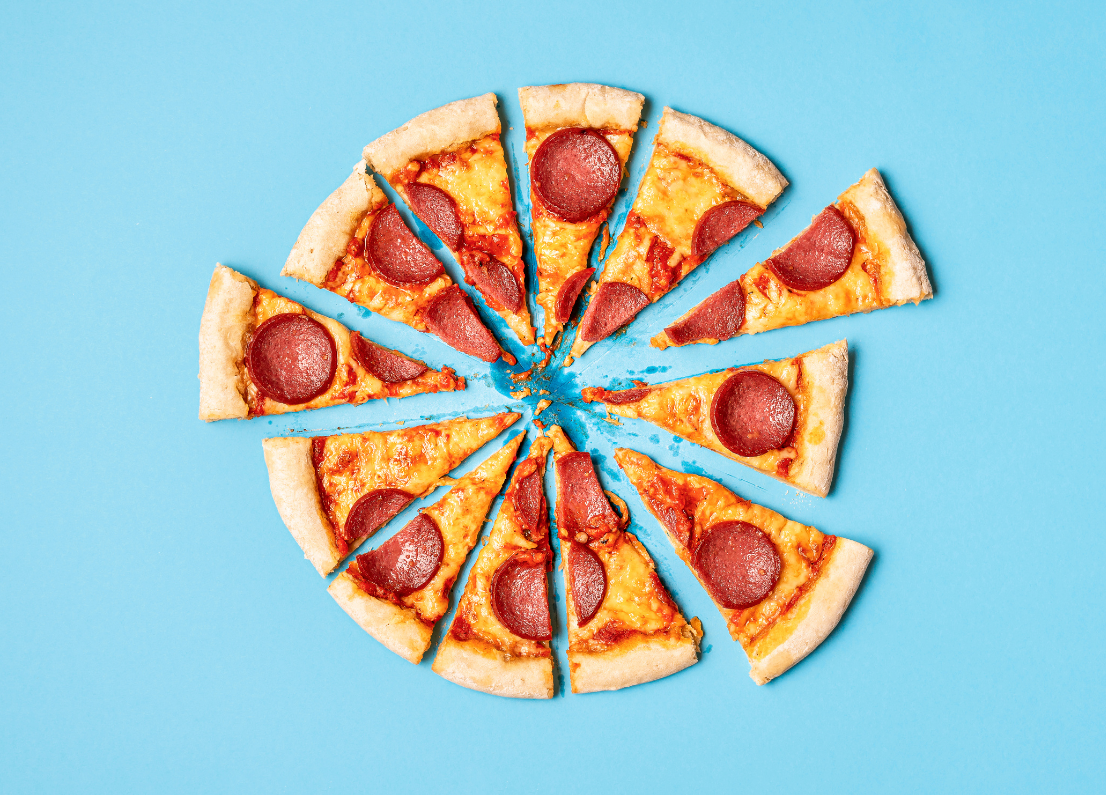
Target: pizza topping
pixel 576 173
pixel 519 597
pixel 589 581
pixel 615 304
pixel 292 358
pixel 495 280
pixel 371 512
pixel 569 292
pixel 718 225
pixel 396 255
pixel 752 413
pixel 819 256
pixel 738 562
pixel 407 561
pixel 620 397
pixel 437 210
pixel 582 507
pixel 388 366
pixel 717 318
pixel 452 317
pixel 529 503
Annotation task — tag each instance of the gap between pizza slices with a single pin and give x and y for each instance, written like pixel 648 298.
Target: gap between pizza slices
pixel 781 586
pixel 857 255
pixel 333 492
pixel 449 166
pixel 782 418
pixel 623 627
pixel 357 245
pixel 263 354
pixel 398 591
pixel 499 640
pixel 703 186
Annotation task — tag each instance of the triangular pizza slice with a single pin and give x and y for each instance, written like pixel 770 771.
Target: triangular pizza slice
pixel 856 256
pixel 703 186
pixel 398 591
pixel 781 586
pixel 448 165
pixel 499 640
pixel 262 353
pixel 333 492
pixel 623 627
pixel 357 245
pixel 782 417
pixel 578 139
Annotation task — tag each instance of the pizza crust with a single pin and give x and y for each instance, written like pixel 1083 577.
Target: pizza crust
pixel 493 672
pixel 296 494
pixel 396 627
pixel 829 599
pixel 432 132
pixel 828 370
pixel 580 105
pixel 650 659
pixel 738 163
pixel 222 345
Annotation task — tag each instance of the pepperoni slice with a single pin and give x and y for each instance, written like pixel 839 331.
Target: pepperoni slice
pixel 396 255
pixel 408 560
pixel 752 413
pixel 582 507
pixel 292 358
pixel 576 173
pixel 495 281
pixel 388 366
pixel 569 292
pixel 529 503
pixel 739 563
pixel 718 225
pixel 623 396
pixel 452 317
pixel 718 318
pixel 615 304
pixel 520 599
pixel 437 210
pixel 372 511
pixel 819 256
pixel 589 581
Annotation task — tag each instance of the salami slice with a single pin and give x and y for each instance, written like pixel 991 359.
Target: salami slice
pixel 717 318
pixel 752 413
pixel 739 564
pixel 520 598
pixel 495 281
pixel 576 173
pixel 819 256
pixel 396 255
pixel 408 560
pixel 452 317
pixel 615 304
pixel 582 507
pixel 388 366
pixel 720 224
pixel 438 210
pixel 372 512
pixel 569 292
pixel 589 581
pixel 292 358
pixel 623 396
pixel 529 503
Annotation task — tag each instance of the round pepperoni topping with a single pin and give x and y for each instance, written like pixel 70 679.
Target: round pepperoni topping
pixel 388 366
pixel 437 210
pixel 372 511
pixel 718 225
pixel 739 563
pixel 582 507
pixel 496 282
pixel 576 173
pixel 752 413
pixel 529 503
pixel 292 358
pixel 615 304
pixel 408 560
pixel 819 256
pixel 569 292
pixel 452 317
pixel 519 597
pixel 396 255
pixel 718 318
pixel 589 581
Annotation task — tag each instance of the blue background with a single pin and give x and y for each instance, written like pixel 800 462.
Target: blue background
pixel 159 628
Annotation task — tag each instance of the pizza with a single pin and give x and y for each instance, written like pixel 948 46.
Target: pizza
pixel 448 165
pixel 357 245
pixel 623 627
pixel 333 492
pixel 262 353
pixel 781 586
pixel 703 186
pixel 578 139
pixel 855 256
pixel 398 591
pixel 499 640
pixel 782 418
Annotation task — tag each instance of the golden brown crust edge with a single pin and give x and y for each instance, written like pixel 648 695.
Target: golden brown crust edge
pixel 619 667
pixel 394 626
pixel 827 370
pixel 580 105
pixel 222 344
pixel 296 494
pixel 493 672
